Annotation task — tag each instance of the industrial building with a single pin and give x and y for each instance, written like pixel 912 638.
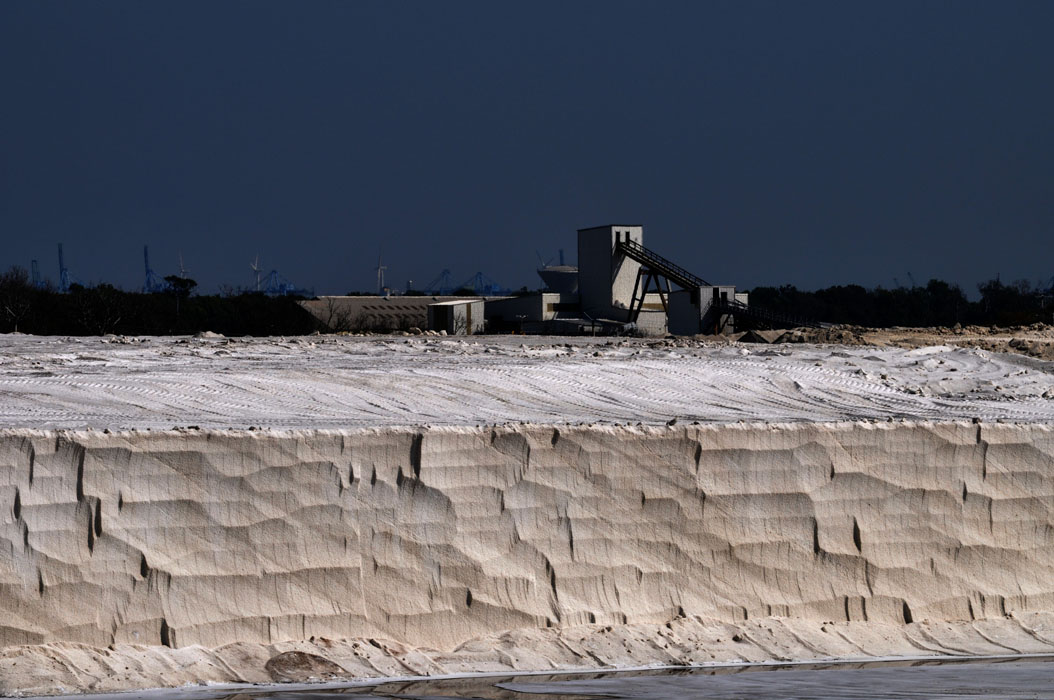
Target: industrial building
pixel 375 313
pixel 552 313
pixel 457 317
pixel 619 286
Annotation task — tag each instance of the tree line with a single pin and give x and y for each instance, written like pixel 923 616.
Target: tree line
pixel 935 304
pixel 104 309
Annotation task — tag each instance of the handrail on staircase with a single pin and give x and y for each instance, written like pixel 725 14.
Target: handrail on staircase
pixel 687 280
pixel 667 268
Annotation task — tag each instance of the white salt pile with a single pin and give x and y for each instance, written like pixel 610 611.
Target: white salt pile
pixel 133 559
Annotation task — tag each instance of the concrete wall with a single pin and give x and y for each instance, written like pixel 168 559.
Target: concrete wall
pixel 530 307
pixel 652 322
pixel 545 306
pixel 685 317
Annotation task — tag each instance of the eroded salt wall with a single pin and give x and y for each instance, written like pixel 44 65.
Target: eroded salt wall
pixel 432 537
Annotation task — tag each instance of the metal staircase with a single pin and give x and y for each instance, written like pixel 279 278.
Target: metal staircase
pixel 660 265
pixel 655 267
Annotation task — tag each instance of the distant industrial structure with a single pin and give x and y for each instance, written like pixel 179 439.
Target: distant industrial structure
pixel 64 273
pixel 153 283
pixel 560 278
pixel 479 284
pixel 272 284
pixel 619 286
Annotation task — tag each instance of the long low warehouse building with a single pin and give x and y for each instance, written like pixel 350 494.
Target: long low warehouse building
pixel 376 313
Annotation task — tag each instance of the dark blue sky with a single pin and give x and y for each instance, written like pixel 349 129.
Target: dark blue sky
pixel 811 143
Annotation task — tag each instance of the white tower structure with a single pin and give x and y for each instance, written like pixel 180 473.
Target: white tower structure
pixel 606 277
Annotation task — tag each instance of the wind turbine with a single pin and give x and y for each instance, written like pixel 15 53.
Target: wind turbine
pixel 380 276
pixel 255 267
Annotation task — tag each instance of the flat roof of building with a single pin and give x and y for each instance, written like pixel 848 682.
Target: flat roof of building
pixel 590 228
pixel 456 302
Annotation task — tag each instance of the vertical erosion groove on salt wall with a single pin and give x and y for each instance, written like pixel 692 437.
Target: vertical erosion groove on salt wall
pixel 179 538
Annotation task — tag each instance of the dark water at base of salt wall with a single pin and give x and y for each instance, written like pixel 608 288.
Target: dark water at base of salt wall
pixel 1008 678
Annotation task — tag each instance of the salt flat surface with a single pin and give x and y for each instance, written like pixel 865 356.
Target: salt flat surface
pixel 337 382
